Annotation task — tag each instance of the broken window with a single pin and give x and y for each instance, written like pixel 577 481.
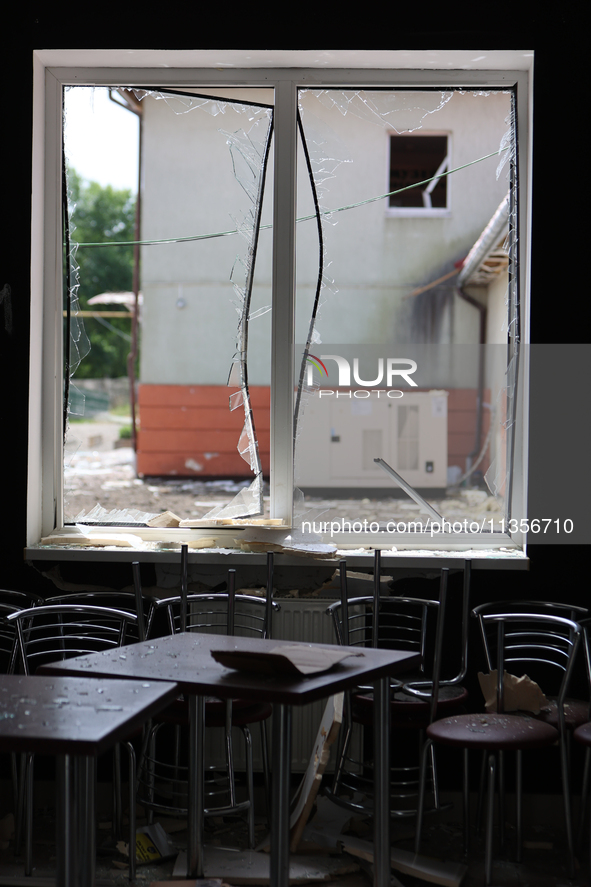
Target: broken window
pixel 404 355
pixel 382 346
pixel 415 159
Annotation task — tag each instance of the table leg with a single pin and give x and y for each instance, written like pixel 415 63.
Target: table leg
pixel 381 841
pixel 196 798
pixel 85 785
pixel 75 821
pixel 280 795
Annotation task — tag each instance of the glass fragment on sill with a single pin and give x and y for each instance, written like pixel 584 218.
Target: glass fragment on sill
pixel 101 515
pixel 247 503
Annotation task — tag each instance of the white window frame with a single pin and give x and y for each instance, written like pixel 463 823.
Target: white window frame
pixel 285 72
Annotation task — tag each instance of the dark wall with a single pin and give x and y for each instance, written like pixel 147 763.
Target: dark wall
pixel 559 291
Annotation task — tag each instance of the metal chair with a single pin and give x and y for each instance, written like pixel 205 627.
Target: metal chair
pixel 134 602
pixel 582 733
pixel 404 623
pixel 544 646
pixel 47 633
pixel 162 784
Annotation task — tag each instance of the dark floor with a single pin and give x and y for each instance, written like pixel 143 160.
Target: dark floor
pixel 544 857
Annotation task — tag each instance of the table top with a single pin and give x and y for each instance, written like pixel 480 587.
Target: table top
pixel 74 715
pixel 186 659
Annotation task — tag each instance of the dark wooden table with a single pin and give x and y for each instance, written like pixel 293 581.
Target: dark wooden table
pixel 75 719
pixel 186 659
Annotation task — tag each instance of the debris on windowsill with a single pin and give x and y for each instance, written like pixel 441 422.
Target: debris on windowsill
pixel 267 522
pixel 166 519
pixel 98 539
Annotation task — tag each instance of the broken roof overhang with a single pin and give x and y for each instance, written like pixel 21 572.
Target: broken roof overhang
pixel 488 256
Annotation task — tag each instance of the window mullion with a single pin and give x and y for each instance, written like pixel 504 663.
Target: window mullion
pixel 283 299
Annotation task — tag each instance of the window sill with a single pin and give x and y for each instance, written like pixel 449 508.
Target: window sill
pixel 150 545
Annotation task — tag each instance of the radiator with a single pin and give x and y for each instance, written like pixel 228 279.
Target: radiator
pixel 299 620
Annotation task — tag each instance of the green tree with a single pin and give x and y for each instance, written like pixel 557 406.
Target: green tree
pixel 102 214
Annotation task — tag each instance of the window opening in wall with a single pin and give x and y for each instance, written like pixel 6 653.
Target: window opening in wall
pixel 417 159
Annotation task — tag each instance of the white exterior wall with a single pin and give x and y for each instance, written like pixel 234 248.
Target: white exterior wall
pixel 375 259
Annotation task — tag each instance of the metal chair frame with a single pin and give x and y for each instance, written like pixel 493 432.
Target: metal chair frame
pixel 511 638
pixel 225 613
pixel 66 630
pixel 399 622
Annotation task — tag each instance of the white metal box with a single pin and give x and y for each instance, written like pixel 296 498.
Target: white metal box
pixel 341 434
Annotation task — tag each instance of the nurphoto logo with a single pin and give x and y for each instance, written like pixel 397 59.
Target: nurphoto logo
pixel 387 370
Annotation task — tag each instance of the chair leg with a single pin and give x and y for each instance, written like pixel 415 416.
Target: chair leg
pixel 421 802
pixel 519 794
pixel 502 811
pixel 29 815
pixel 567 809
pixel 117 814
pixel 481 790
pixel 344 738
pixel 266 772
pixel 466 803
pixel 489 820
pixel 584 791
pixel 20 804
pixel 132 819
pixel 250 785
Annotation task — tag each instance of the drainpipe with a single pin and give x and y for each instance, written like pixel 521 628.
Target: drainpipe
pixel 481 366
pixel 487 240
pixel 130 103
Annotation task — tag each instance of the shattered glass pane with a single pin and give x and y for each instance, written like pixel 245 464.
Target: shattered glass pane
pixel 204 162
pixel 380 280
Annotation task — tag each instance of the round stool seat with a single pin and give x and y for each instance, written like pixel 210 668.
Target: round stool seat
pixel 408 710
pixel 493 731
pixel 576 712
pixel 583 734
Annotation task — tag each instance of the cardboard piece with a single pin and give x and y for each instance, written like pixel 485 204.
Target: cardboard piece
pixel 166 519
pixel 519 694
pixel 305 795
pixel 294 660
pixel 310 784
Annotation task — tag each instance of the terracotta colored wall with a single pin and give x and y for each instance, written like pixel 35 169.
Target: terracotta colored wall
pixel 189 430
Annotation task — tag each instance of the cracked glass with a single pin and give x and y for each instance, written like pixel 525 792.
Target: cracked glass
pixel 411 353
pixel 407 311
pixel 200 407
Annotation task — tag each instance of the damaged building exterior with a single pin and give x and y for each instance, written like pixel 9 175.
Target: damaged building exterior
pixel 389 270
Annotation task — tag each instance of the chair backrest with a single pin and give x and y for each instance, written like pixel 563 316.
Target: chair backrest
pixel 217 612
pixel 114 600
pixel 395 622
pixel 20 599
pixel 60 631
pixel 528 638
pixel 209 613
pixel 8 645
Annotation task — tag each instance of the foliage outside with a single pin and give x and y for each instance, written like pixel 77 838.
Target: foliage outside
pixel 102 214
